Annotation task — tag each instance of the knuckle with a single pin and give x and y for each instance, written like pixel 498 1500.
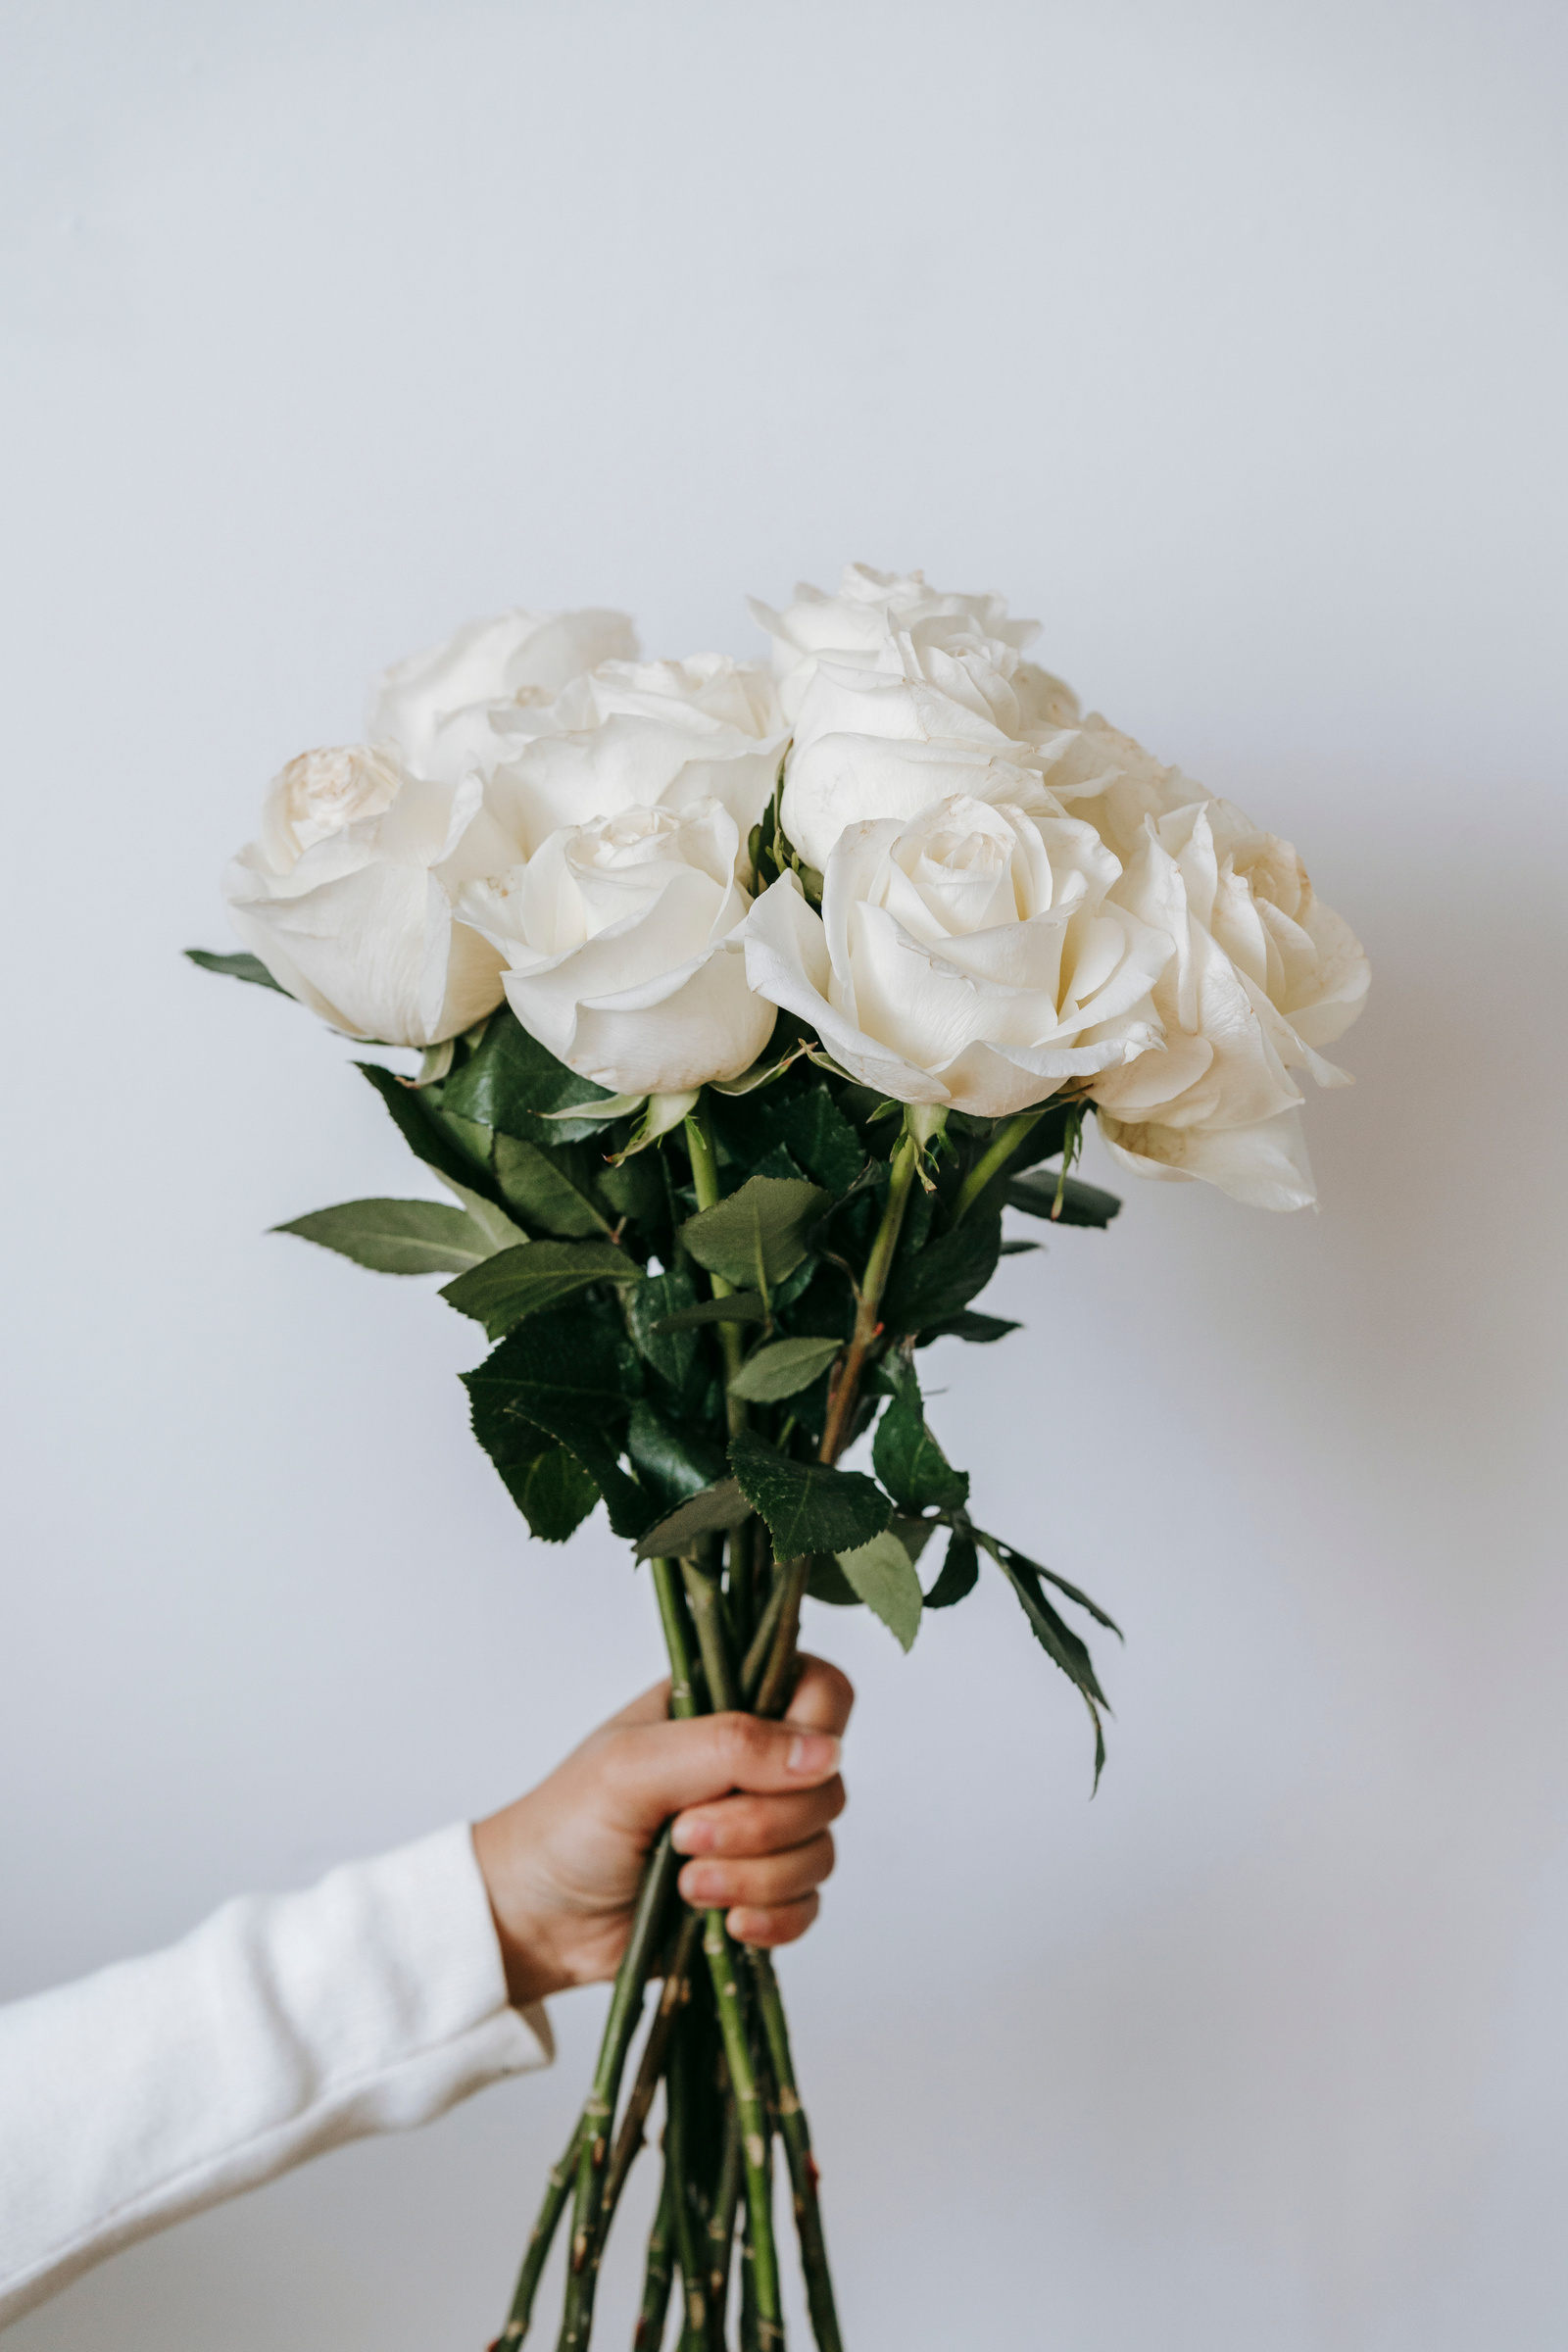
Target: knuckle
pixel 744 1740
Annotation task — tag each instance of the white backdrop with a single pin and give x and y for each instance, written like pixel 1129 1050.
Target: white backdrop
pixel 1229 339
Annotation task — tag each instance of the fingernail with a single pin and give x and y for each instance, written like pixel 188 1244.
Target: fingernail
pixel 813 1753
pixel 691 1834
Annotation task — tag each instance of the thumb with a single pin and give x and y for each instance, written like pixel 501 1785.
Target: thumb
pixel 657 1769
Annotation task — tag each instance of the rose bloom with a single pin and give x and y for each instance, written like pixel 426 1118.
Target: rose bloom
pixel 969 957
pixel 638 735
pixel 901 695
pixel 1263 974
pixel 346 897
pixel 621 947
pixel 443 711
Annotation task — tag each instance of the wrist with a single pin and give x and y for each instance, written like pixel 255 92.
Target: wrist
pixel 535 1965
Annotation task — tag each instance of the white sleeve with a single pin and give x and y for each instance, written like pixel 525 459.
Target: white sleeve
pixel 282 2025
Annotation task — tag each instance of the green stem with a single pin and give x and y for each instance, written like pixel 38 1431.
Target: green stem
pixel 753 2129
pixel 797 2136
pixel 721 2232
pixel 678 2160
pixel 625 2008
pixel 651 2068
pixel 761 1644
pixel 557 2189
pixel 994 1158
pixel 707 1615
pixel 847 1387
pixel 719 1953
pixel 704 1179
pixel 657 2274
pixel 672 1617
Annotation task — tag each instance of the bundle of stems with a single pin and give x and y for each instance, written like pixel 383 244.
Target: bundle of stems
pixel 717 2040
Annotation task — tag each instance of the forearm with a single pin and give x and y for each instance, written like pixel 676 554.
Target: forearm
pixel 280 2027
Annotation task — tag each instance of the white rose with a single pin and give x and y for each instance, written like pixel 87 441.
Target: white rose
pixel 441 709
pixel 969 958
pixel 1262 975
pixel 347 897
pixel 926 703
pixel 852 629
pixel 621 938
pixel 639 735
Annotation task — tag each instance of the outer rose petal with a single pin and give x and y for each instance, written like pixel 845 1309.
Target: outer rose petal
pixel 1266 1166
pixel 696 1024
pixel 374 953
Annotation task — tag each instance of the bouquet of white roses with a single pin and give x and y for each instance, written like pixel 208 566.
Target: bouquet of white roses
pixel 748 1000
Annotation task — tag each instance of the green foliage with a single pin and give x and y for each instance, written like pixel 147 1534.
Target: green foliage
pixel 758 1234
pixel 827 1581
pixel 882 1574
pixel 397 1237
pixel 420 1123
pixel 981 1330
pixel 549 1485
pixel 512 1082
pixel 713 1512
pixel 799 1118
pixel 933 1284
pixel 1056 1636
pixel 806 1506
pixel 517 1283
pixel 657 1311
pixel 673 1460
pixel 783 1370
pixel 910 1462
pixel 539 1187
pixel 1066 1199
pixel 572 1376
pixel 961 1573
pixel 241 965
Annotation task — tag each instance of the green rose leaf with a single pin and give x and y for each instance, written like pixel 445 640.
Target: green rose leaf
pixel 673 1464
pixel 1081 1204
pixel 421 1126
pixel 910 1462
pixel 713 1512
pixel 537 1186
pixel 882 1573
pixel 1052 1631
pixel 934 1284
pixel 658 1309
pixel 511 1081
pixel 982 1330
pixel 239 966
pixel 807 1507
pixel 783 1370
pixel 549 1485
pixel 566 1375
pixel 517 1283
pixel 961 1573
pixel 828 1582
pixel 397 1237
pixel 760 1233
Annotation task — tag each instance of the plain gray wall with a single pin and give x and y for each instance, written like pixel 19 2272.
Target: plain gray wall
pixel 1229 339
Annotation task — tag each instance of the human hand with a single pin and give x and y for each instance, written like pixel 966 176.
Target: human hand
pixel 751 1802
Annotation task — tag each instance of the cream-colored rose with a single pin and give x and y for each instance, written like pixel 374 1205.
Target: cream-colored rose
pixel 622 946
pixel 852 629
pixel 443 709
pixel 901 697
pixel 639 735
pixel 969 958
pixel 1262 975
pixel 346 897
